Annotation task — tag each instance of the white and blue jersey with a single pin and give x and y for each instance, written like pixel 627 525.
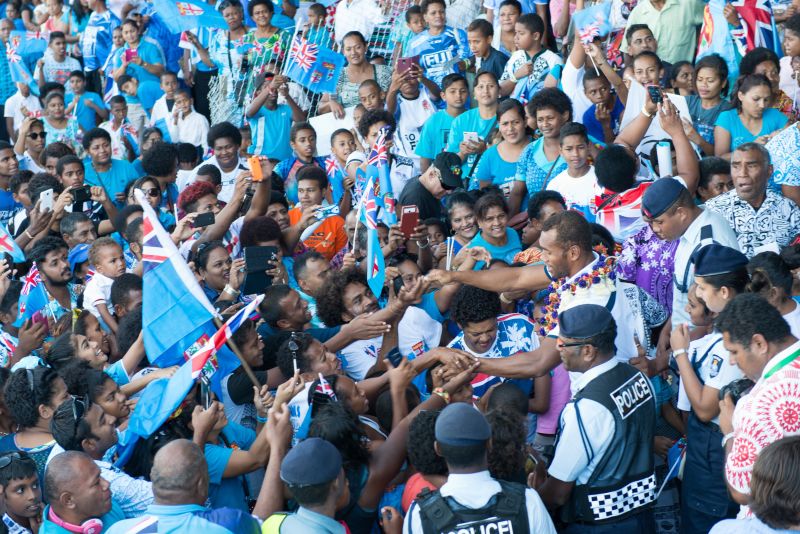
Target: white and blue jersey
pixel 96 40
pixel 439 54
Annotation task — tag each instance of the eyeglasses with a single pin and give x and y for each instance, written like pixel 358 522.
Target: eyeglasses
pixel 37 135
pixel 560 345
pixel 151 192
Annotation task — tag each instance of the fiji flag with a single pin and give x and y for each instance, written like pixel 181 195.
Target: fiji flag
pixel 378 166
pixel 335 178
pixel 9 246
pixel 19 70
pixel 376 274
pixel 33 296
pixel 187 15
pixel 315 68
pixel 131 135
pixel 593 22
pixel 176 313
pixel 29 45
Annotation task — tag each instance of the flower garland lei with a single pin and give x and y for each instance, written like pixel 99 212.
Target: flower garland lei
pixel 602 268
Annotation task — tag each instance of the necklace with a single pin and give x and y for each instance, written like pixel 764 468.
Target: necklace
pixel 601 271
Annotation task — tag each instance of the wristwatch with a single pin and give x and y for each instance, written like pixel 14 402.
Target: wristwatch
pixel 443 394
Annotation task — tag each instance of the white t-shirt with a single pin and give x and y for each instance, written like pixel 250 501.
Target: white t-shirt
pixel 14 105
pixel 793 318
pixel 411 116
pixel 418 333
pixel 577 192
pixel 228 178
pixel 98 291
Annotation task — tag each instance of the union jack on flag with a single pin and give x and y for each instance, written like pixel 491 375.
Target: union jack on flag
pixel 303 53
pixel 379 156
pixel 185 8
pixel 32 279
pixel 153 252
pixel 325 388
pixel 758 22
pixel 371 207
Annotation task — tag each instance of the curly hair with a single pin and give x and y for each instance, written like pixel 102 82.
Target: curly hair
pixel 507 452
pixel 550 98
pixel 330 300
pixel 473 305
pixel 84 381
pixel 260 229
pixel 194 192
pixel 26 390
pixel 421 436
pixel 339 425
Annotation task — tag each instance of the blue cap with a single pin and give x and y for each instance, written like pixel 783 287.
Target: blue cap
pixel 660 196
pixel 312 461
pixel 716 259
pixel 584 321
pixel 78 254
pixel 460 424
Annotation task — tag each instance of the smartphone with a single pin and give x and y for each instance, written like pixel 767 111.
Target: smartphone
pixel 394 357
pixel 203 220
pixel 656 97
pixel 130 54
pixel 205 394
pixel 46 200
pixel 256 261
pixel 409 219
pixel 405 63
pixel 397 284
pixel 41 318
pixel 255 168
pixel 81 195
pixel 471 137
pixel 326 211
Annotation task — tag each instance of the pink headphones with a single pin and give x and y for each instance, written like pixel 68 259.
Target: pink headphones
pixel 90 526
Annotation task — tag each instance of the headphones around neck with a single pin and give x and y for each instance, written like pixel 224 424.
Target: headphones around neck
pixel 90 526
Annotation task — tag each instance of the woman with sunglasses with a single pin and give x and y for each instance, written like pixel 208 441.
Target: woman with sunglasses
pixel 22 493
pixel 705 369
pixel 33 396
pixel 30 144
pixel 152 192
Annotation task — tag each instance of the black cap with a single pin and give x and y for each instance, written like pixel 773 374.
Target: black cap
pixel 460 424
pixel 584 321
pixel 660 196
pixel 716 259
pixel 449 166
pixel 312 461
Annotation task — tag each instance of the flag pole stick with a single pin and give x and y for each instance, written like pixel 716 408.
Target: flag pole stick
pixel 235 349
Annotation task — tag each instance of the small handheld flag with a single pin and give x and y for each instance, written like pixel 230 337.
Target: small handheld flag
pixel 9 246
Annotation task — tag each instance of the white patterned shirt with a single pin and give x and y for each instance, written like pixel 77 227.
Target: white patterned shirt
pixel 776 222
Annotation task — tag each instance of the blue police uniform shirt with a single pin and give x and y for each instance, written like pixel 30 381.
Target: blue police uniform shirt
pixel 227 491
pixel 440 54
pixel 515 333
pixel 96 41
pixel 87 117
pixel 113 180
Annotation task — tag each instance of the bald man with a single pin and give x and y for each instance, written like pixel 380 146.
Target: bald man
pixel 80 499
pixel 180 487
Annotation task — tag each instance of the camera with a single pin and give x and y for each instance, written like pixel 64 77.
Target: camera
pixel 736 389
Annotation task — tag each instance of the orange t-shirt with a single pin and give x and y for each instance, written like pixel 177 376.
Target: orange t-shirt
pixel 328 238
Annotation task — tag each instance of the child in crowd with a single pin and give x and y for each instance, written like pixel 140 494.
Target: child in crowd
pixel 303 141
pixel 162 108
pixel 21 104
pixel 185 124
pixel 140 98
pixel 480 34
pixel 247 140
pixel 342 145
pixel 316 31
pixel 270 122
pixel 414 25
pixel 577 183
pixel 527 68
pixel 121 130
pixel 412 106
pixel 371 95
pixel 109 263
pixel 85 105
pixel 433 138
pixel 22 493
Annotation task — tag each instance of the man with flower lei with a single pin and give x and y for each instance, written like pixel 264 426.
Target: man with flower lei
pixel 572 274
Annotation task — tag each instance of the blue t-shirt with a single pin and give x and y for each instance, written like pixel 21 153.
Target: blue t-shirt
pixel 87 117
pixel 493 168
pixel 703 119
pixel 435 132
pixel 469 121
pixel 96 41
pixel 280 19
pixel 505 253
pixel 149 54
pixel 730 121
pixel 227 491
pixel 113 180
pixel 270 132
pixel 118 373
pixel 593 126
pixel 439 54
pixel 8 206
pixel 148 93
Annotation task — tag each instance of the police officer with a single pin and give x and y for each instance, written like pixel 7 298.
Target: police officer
pixel 669 208
pixel 313 472
pixel 721 273
pixel 602 473
pixel 471 500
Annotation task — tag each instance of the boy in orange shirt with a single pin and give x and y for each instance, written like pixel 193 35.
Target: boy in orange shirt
pixel 326 236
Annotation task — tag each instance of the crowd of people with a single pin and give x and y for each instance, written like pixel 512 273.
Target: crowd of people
pixel 545 279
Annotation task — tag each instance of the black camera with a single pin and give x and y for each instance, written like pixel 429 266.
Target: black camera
pixel 736 389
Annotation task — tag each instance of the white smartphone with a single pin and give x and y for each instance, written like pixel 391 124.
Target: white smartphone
pixel 471 137
pixel 46 198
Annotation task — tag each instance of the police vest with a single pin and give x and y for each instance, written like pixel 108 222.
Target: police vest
pixel 505 513
pixel 624 480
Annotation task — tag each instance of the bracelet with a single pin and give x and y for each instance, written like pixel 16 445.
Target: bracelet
pixel 646 114
pixel 727 437
pixel 27 234
pixel 505 299
pixel 443 394
pixel 420 245
pixel 230 291
pixel 678 352
pixel 260 419
pixel 513 78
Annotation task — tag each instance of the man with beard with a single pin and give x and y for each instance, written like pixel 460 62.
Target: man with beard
pixel 50 256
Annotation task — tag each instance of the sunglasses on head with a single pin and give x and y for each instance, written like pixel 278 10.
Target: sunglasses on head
pixel 9 458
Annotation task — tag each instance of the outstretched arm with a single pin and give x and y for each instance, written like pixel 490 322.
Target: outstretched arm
pixel 530 278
